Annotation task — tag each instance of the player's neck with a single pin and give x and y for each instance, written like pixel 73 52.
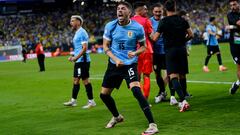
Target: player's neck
pixel 125 22
pixel 171 13
pixel 157 18
pixel 78 27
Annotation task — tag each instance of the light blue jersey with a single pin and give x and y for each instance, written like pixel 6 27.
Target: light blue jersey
pixel 124 39
pixel 80 38
pixel 158 46
pixel 212 40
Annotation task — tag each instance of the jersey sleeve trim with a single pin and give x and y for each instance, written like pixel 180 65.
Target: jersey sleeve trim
pixel 105 37
pixel 83 42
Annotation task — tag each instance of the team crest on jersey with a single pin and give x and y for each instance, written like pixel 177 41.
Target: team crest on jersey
pixel 130 33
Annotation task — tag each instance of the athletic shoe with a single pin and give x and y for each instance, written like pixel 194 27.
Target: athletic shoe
pixel 234 88
pixel 158 99
pixel 173 101
pixel 114 121
pixel 222 68
pixel 183 106
pixel 161 97
pixel 152 129
pixel 90 104
pixel 164 94
pixel 72 103
pixel 206 69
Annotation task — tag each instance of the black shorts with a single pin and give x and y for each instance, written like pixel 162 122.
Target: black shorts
pixel 235 51
pixel 114 76
pixel 176 60
pixel 212 49
pixel 81 70
pixel 159 62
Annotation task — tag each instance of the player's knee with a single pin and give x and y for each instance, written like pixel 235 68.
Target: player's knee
pixel 86 81
pixel 182 76
pixel 106 91
pixel 76 81
pixel 134 84
pixel 173 75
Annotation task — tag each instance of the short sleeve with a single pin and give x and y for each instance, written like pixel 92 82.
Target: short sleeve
pixel 208 28
pixel 107 32
pixel 84 38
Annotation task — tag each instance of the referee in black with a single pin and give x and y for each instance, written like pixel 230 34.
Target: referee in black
pixel 176 32
pixel 234 26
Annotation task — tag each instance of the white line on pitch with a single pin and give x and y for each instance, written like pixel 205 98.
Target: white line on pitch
pixel 189 81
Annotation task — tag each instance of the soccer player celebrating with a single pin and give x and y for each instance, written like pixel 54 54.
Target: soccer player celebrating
pixel 145 59
pixel 234 26
pixel 119 43
pixel 159 58
pixel 212 46
pixel 82 63
pixel 174 29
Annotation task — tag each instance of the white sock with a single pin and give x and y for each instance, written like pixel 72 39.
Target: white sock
pixel 90 100
pixel 238 82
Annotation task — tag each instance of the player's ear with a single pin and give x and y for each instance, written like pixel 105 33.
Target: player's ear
pixel 130 12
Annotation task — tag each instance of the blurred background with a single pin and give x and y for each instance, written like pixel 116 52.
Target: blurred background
pixel 25 22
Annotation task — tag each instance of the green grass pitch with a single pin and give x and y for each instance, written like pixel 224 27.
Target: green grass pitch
pixel 31 102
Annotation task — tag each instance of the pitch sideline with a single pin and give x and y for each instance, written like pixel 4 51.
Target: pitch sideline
pixel 189 81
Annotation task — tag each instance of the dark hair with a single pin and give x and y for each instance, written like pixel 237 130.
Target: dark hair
pixel 211 19
pixel 182 12
pixel 233 0
pixel 157 5
pixel 128 5
pixel 138 4
pixel 170 5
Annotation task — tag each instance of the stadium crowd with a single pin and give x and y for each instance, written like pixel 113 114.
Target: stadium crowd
pixel 53 30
